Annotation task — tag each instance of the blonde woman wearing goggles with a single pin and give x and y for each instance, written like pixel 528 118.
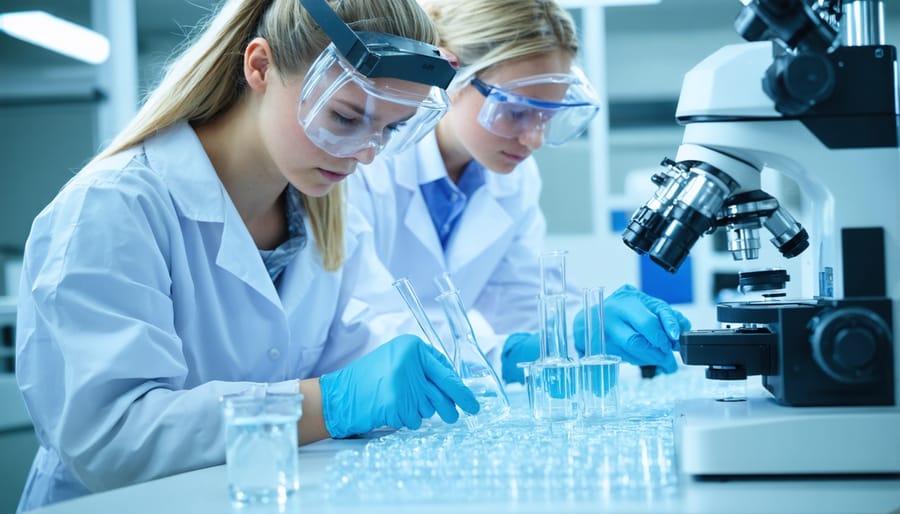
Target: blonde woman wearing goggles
pixel 206 251
pixel 465 199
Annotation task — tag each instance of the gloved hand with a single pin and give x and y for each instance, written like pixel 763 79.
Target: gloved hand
pixel 641 329
pixel 519 347
pixel 398 384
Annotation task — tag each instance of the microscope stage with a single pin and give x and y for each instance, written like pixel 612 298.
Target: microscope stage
pixel 758 437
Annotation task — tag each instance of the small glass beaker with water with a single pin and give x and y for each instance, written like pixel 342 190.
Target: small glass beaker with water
pixel 261 445
pixel 599 370
pixel 553 379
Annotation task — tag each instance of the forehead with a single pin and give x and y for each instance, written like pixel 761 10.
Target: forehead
pixel 558 61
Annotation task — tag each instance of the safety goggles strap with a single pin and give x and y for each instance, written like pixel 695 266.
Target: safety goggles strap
pixel 430 68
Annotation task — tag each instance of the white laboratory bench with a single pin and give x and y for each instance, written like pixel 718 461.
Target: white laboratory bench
pixel 204 491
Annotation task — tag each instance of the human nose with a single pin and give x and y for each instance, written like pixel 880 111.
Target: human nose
pixel 365 155
pixel 533 136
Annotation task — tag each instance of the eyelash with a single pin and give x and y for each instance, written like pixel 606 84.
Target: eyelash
pixel 396 126
pixel 343 120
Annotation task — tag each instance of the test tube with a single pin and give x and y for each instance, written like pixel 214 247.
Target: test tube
pixel 409 295
pixel 553 272
pixel 553 390
pixel 599 370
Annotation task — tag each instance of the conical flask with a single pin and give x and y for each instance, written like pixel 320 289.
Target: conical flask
pixel 469 361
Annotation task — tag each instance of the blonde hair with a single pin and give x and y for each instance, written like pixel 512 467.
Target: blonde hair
pixel 483 33
pixel 206 78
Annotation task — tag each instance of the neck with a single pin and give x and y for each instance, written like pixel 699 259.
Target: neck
pixel 454 154
pixel 248 175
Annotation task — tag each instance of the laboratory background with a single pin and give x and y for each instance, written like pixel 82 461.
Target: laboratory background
pixel 57 110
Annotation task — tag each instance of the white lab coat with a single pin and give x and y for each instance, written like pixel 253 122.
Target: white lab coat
pixel 144 299
pixel 493 255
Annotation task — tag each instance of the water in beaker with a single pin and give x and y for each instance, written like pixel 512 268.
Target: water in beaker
pixel 599 370
pixel 553 379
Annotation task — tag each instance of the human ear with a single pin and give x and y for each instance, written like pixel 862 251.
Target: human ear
pixel 257 63
pixel 450 56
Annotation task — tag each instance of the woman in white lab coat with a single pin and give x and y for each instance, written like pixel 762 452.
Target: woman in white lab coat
pixel 207 251
pixel 464 200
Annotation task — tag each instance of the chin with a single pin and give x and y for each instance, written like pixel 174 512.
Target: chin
pixel 503 167
pixel 317 191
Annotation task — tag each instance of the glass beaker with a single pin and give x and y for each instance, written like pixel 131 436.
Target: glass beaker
pixel 599 371
pixel 553 380
pixel 469 361
pixel 261 445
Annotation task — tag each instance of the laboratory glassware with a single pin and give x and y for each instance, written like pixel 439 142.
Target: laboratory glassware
pixel 470 362
pixel 261 445
pixel 404 286
pixel 599 370
pixel 553 272
pixel 553 379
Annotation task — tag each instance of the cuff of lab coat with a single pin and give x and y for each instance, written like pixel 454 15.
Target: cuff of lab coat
pixel 286 387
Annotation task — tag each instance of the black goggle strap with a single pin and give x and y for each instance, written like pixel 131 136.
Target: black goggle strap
pixel 431 69
pixel 344 38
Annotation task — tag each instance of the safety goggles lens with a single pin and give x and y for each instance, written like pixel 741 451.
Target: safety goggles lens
pixel 345 113
pixel 569 107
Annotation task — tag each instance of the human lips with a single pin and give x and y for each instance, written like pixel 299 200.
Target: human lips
pixel 515 157
pixel 333 176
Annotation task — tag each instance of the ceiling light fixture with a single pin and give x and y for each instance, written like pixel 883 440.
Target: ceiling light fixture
pixel 43 29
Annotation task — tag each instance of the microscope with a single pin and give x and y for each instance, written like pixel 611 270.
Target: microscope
pixel 812 95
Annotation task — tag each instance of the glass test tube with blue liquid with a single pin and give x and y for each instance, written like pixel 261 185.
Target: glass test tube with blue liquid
pixel 553 379
pixel 469 361
pixel 599 370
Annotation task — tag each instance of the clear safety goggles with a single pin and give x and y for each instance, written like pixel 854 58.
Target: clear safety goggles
pixel 566 106
pixel 370 90
pixel 344 112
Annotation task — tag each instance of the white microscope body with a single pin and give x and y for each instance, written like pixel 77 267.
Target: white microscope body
pixel 829 362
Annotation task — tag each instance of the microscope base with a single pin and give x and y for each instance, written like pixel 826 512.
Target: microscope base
pixel 758 437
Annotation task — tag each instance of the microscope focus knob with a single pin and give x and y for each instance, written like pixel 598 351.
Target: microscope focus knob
pixel 848 344
pixel 798 82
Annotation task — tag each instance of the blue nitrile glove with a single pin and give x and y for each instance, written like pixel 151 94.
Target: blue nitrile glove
pixel 641 329
pixel 519 347
pixel 398 384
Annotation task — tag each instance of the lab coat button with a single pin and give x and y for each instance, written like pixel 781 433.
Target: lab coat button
pixel 274 354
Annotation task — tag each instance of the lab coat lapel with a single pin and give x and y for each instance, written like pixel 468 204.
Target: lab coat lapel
pixel 416 218
pixel 301 273
pixel 195 187
pixel 482 223
pixel 238 255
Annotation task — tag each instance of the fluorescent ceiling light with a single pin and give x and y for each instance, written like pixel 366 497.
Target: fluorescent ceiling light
pixel 44 29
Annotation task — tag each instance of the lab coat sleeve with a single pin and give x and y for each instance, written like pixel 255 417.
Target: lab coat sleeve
pixel 100 365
